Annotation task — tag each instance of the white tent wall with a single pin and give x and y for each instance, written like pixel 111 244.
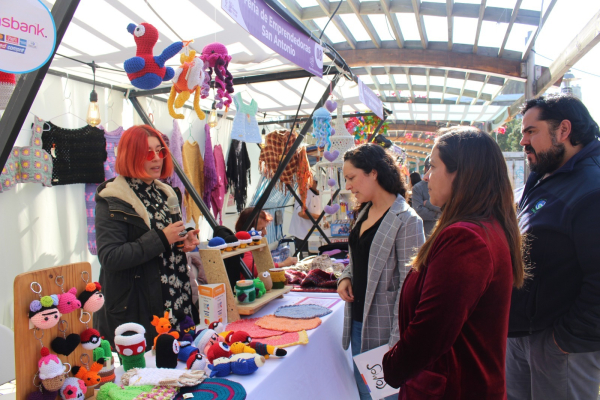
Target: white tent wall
pixel 43 227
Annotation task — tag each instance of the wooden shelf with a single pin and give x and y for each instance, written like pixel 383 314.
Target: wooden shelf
pixel 251 308
pixel 237 252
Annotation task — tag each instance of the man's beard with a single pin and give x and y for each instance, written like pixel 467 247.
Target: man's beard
pixel 548 161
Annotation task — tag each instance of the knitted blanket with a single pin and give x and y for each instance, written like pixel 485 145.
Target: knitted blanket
pixel 161 377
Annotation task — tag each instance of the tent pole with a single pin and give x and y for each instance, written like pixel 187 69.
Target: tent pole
pixel 314 222
pixel 29 84
pixel 288 157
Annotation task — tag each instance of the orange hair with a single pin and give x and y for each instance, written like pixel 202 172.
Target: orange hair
pixel 133 150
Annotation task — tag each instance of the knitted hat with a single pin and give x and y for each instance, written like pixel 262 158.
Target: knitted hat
pixel 167 349
pixel 7 86
pixel 244 237
pixel 206 337
pixel 92 299
pixel 213 388
pixel 217 243
pixel 49 365
pixel 256 235
pixel 90 339
pixel 231 241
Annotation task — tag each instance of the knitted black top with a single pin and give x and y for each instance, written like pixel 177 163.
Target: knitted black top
pixel 78 156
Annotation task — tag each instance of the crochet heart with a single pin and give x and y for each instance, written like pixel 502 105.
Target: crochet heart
pixel 331 156
pixel 331 209
pixel 330 105
pixel 65 346
pixel 332 131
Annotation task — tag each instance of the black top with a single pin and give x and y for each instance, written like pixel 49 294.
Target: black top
pixel 360 246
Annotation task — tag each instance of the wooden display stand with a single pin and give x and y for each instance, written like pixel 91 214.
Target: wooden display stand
pixel 214 268
pixel 27 347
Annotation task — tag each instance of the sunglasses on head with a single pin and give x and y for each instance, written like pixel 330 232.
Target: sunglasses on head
pixel 162 153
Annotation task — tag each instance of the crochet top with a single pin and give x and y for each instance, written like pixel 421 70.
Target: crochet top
pixel 78 155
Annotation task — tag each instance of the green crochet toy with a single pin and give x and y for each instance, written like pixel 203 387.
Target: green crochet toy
pixel 103 351
pixel 260 288
pixel 131 348
pixel 112 391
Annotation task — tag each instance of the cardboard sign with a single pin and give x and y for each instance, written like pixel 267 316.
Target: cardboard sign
pixel 27 35
pixel 370 367
pixel 256 17
pixel 213 304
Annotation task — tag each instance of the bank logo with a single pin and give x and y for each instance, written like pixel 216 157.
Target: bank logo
pixel 2 37
pixel 23 42
pixel 12 39
pixel 538 206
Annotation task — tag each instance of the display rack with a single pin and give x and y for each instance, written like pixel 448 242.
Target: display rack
pixel 27 347
pixel 214 268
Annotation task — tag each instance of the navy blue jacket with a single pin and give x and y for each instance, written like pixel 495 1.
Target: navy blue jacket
pixel 561 217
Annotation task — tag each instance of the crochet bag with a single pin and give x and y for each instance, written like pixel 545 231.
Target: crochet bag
pixel 282 251
pixel 9 171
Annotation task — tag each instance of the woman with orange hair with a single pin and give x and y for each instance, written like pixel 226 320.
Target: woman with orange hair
pixel 143 271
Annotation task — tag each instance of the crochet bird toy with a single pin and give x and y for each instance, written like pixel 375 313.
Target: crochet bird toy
pixel 187 80
pixel 145 70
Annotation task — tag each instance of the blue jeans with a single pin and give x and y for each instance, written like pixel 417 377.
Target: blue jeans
pixel 363 389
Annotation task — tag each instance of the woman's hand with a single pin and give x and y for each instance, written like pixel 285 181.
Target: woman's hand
pixel 172 232
pixel 344 289
pixel 288 261
pixel 191 240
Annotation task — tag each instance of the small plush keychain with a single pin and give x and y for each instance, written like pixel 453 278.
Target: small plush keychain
pixel 43 313
pixel 90 338
pixel 88 375
pixel 67 344
pixel 67 302
pixel 51 370
pixel 92 298
pixel 73 389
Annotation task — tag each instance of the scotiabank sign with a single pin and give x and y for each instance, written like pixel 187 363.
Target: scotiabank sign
pixel 27 35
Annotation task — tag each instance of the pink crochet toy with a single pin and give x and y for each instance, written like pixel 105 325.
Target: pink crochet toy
pixel 67 302
pixel 215 57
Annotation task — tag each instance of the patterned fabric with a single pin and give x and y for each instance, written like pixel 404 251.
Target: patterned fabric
pixel 398 237
pixel 249 325
pixel 9 171
pixel 245 128
pixel 238 173
pixel 176 148
pixel 213 389
pixel 296 172
pixel 78 155
pixel 286 340
pixel 302 311
pixel 176 287
pixel 217 196
pixel 210 170
pixel 35 164
pixel 112 141
pixel 193 166
pixel 287 324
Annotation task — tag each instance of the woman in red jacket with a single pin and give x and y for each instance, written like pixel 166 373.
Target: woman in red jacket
pixel 454 303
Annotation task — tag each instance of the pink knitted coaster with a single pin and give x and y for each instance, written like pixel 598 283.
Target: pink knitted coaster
pixel 286 340
pixel 288 324
pixel 248 325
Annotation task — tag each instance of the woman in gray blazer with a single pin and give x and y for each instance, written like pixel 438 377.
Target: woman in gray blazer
pixel 386 235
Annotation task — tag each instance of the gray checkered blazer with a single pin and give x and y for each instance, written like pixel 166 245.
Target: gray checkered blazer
pixel 398 238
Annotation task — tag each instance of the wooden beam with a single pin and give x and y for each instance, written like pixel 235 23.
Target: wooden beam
pixel 427 76
pixel 298 12
pixel 337 21
pixel 510 25
pixel 449 6
pixel 365 22
pixel 376 83
pixel 462 90
pixel 585 40
pixel 409 82
pixel 393 83
pixel 420 22
pixel 487 103
pixel 533 36
pixel 393 20
pixel 480 91
pixel 434 58
pixel 445 81
pixel 479 21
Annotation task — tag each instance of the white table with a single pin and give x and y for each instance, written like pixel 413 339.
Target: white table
pixel 318 370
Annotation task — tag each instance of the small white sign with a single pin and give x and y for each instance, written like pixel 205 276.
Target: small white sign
pixel 370 367
pixel 27 35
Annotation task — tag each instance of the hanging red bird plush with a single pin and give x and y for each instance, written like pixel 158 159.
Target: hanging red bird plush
pixel 146 71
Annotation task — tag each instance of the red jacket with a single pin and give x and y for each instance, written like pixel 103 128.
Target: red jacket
pixel 453 319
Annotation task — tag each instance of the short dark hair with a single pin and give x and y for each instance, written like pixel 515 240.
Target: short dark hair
pixel 415 178
pixel 556 108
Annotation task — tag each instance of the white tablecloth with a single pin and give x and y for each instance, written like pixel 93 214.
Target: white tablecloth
pixel 319 370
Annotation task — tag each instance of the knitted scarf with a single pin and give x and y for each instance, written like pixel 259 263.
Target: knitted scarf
pixel 238 173
pixel 210 169
pixel 176 144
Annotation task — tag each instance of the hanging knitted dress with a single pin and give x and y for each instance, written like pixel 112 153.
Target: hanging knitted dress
pixel 175 147
pixel 245 128
pixel 238 173
pixel 193 166
pixel 210 171
pixel 112 142
pixel 217 196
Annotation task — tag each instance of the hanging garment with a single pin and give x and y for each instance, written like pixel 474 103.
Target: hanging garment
pixel 217 196
pixel 238 173
pixel 175 147
pixel 277 145
pixel 210 171
pixel 78 154
pixel 112 142
pixel 9 171
pixel 245 127
pixel 193 166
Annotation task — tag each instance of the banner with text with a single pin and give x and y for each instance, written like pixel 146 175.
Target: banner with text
pixel 256 17
pixel 27 35
pixel 370 99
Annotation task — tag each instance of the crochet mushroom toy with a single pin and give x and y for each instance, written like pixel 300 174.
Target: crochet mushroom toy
pixel 232 243
pixel 256 237
pixel 92 298
pixel 244 238
pixel 217 243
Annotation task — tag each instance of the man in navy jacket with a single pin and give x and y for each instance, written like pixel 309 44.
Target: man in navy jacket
pixel 553 350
